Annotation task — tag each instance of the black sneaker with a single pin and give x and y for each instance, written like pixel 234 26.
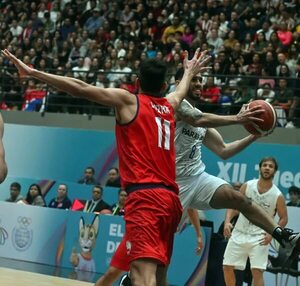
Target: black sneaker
pixel 292 244
pixel 125 281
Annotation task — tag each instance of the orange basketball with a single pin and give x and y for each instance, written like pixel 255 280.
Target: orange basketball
pixel 269 117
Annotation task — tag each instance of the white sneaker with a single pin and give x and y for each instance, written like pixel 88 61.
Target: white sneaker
pixel 290 125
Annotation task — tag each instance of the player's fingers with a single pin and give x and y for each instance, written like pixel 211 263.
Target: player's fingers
pixel 255 119
pixel 196 54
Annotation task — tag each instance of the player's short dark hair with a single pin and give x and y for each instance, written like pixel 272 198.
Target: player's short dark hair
pixel 152 75
pixel 15 185
pixel 269 159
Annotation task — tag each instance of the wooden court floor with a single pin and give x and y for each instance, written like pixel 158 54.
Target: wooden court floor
pixel 11 277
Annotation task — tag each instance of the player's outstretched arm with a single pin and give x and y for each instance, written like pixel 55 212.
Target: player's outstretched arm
pixel 107 96
pixel 198 119
pixel 215 142
pixel 192 67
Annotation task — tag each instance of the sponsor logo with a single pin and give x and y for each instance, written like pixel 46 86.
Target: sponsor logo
pixel 21 234
pixel 3 235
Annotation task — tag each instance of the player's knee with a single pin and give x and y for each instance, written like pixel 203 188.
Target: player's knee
pixel 227 269
pixel 257 273
pixel 241 201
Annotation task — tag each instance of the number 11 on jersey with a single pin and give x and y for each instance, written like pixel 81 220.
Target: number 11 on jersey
pixel 163 128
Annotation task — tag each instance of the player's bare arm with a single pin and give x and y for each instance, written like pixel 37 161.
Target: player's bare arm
pixel 195 220
pixel 282 211
pixel 192 67
pixel 282 221
pixel 230 214
pixel 195 118
pixel 114 97
pixel 215 142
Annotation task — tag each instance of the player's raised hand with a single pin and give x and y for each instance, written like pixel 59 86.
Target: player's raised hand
pixel 199 62
pixel 23 69
pixel 250 114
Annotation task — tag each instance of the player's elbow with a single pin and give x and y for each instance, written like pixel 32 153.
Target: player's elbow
pixel 3 172
pixel 224 155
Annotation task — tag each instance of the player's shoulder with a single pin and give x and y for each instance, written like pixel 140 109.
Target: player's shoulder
pixel 186 108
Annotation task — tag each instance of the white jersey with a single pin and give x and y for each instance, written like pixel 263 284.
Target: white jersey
pixel 267 201
pixel 188 142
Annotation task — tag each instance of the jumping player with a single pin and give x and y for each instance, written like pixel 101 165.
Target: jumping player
pixel 200 190
pixel 145 142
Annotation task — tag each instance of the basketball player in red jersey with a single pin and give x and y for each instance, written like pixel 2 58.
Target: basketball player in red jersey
pixel 145 142
pixel 3 166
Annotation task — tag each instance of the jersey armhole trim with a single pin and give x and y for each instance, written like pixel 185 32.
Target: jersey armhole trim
pixel 136 114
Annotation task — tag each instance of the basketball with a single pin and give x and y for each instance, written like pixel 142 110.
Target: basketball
pixel 269 117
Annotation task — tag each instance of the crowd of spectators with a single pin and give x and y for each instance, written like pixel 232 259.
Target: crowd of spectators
pixel 96 204
pixel 254 47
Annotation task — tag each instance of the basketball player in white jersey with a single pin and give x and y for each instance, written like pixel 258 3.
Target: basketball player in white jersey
pixel 3 166
pixel 199 190
pixel 246 239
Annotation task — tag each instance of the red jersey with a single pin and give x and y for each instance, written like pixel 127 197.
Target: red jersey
pixel 146 144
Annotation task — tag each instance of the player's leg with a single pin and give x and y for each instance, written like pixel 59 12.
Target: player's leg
pixel 226 197
pixel 258 256
pixel 143 272
pixel 3 166
pixel 109 277
pixel 235 257
pixel 150 232
pixel 119 264
pixel 257 276
pixel 229 275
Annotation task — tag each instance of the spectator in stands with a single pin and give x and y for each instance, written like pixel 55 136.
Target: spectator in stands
pixel 170 30
pixel 88 178
pixel 294 194
pixel 61 201
pixel 96 204
pixel 94 22
pixel 34 196
pixel 118 208
pixel 265 92
pixel 15 196
pixel 243 95
pixel 284 35
pixel 210 95
pixel 113 178
pixel 284 95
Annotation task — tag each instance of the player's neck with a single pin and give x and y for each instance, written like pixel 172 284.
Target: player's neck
pixel 264 185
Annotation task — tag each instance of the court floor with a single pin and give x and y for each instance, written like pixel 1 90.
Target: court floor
pixel 16 272
pixel 12 277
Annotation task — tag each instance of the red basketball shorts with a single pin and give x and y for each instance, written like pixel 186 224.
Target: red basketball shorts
pixel 151 220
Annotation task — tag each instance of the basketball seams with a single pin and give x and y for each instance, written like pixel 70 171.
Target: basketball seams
pixel 274 114
pixel 269 113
